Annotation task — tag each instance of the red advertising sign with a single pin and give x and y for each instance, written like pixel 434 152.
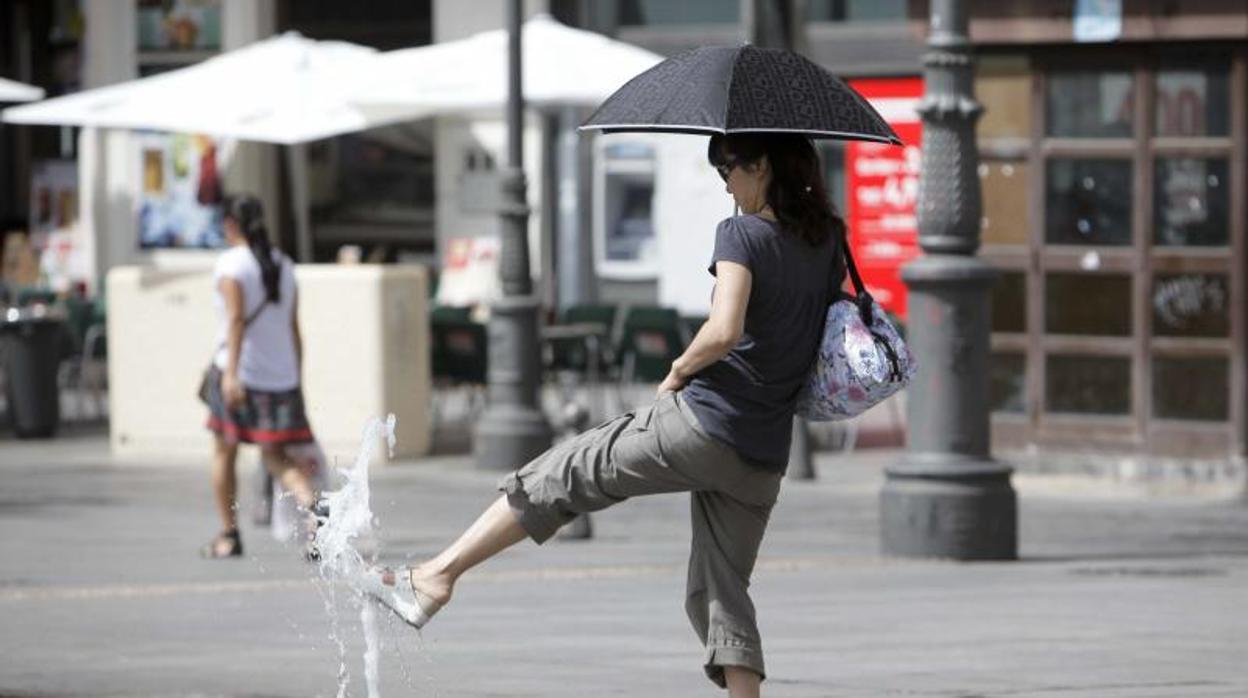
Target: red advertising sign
pixel 882 188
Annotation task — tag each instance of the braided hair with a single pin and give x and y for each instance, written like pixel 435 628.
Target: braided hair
pixel 246 211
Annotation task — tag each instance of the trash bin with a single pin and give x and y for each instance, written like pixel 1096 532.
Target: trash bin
pixel 31 340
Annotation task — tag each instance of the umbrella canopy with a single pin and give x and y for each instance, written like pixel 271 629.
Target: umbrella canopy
pixel 13 91
pixel 561 66
pixel 741 89
pixel 286 89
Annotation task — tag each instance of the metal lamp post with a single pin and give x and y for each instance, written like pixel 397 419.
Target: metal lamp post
pixel 946 497
pixel 513 429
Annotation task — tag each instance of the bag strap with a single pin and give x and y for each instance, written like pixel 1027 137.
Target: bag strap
pixel 247 322
pixel 860 289
pixel 864 302
pixel 861 297
pixel 255 314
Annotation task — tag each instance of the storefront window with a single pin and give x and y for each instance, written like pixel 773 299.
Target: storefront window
pixel 1007 383
pixel 1004 193
pixel 1192 102
pixel 1090 104
pixel 1003 87
pixel 1191 388
pixel 1088 384
pixel 1009 302
pixel 1191 201
pixel 660 12
pixel 1191 305
pixel 178 25
pixel 1088 304
pixel 856 10
pixel 1088 202
pixel 376 175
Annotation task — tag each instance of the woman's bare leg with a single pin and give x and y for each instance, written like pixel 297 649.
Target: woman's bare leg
pixel 493 532
pixel 292 478
pixel 742 682
pixel 225 482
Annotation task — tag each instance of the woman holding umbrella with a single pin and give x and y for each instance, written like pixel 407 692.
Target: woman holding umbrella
pixel 721 424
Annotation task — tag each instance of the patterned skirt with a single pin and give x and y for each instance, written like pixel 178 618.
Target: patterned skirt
pixel 264 417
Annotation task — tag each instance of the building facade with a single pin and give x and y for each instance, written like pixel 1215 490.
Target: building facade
pixel 1113 173
pixel 1114 168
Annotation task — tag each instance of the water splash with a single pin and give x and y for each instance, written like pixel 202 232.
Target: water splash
pixel 372 647
pixel 346 544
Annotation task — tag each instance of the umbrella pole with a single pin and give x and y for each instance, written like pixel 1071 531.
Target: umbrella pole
pixel 297 165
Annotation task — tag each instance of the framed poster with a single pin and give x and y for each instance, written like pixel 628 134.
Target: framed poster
pixel 179 197
pixel 53 224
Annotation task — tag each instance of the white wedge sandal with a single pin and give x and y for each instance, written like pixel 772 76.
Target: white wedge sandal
pixel 401 597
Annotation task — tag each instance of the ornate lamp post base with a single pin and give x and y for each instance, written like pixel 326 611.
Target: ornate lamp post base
pixel 946 497
pixel 959 508
pixel 509 436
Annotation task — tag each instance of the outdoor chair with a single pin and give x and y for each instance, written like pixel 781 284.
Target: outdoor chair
pixel 29 295
pixel 84 369
pixel 442 317
pixel 459 354
pixel 572 354
pixel 651 337
pixel 693 323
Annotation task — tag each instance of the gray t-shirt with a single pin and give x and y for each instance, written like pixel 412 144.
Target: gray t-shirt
pixel 747 398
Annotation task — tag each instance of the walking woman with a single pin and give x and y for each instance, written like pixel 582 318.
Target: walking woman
pixel 253 386
pixel 720 426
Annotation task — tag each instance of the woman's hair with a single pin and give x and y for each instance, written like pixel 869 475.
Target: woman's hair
pixel 797 193
pixel 248 213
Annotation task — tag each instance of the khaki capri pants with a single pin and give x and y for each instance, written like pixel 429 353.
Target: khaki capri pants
pixel 655 450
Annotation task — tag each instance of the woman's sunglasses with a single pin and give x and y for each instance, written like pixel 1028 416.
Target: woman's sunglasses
pixel 725 169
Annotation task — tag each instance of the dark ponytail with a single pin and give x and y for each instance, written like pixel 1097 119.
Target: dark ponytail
pixel 797 194
pixel 246 211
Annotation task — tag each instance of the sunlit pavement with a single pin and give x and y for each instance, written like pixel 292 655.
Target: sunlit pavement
pixel 101 593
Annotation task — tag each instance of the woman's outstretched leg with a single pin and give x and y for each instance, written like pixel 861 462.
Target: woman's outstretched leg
pixel 742 682
pixel 415 594
pixel 493 532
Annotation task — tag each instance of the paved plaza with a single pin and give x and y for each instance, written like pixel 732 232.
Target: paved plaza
pixel 1116 595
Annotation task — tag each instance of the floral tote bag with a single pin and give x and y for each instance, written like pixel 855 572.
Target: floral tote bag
pixel 861 361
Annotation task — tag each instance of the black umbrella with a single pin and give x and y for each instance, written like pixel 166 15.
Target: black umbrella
pixel 737 89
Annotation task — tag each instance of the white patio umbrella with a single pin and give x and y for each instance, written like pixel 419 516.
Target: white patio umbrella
pixel 562 66
pixel 286 90
pixel 13 91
